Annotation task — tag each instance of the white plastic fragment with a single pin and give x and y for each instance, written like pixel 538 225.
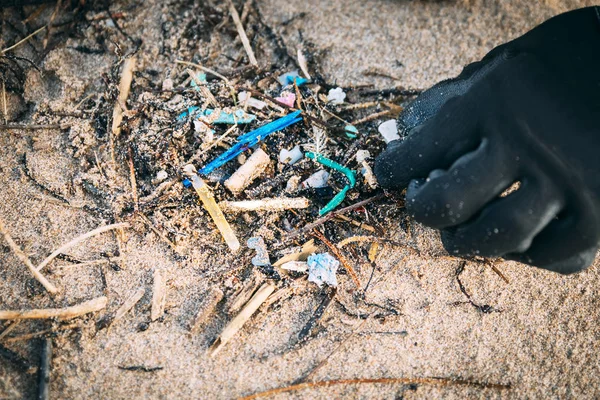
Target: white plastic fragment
pixel 245 98
pixel 317 180
pixel 322 269
pixel 252 168
pixel 389 131
pixel 296 266
pixel 362 155
pixel 336 96
pixel 290 156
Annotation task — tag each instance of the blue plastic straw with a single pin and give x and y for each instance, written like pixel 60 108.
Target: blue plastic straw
pixel 250 139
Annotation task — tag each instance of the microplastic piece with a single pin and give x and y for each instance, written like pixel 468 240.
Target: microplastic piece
pixel 245 98
pixel 250 139
pixel 348 173
pixel 289 77
pixel 262 256
pixel 291 156
pixel 336 96
pixel 389 130
pixel 317 180
pixel 287 98
pixel 250 170
pixel 296 266
pixel 351 131
pixel 322 269
pixel 239 116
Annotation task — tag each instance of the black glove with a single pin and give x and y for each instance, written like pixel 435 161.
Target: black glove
pixel 529 112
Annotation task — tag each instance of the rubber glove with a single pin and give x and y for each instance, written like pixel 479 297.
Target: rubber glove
pixel 528 116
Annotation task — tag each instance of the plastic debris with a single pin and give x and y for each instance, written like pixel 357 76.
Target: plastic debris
pixel 246 99
pixel 211 206
pixel 336 96
pixel 292 184
pixel 296 266
pixel 350 175
pixel 287 98
pixel 252 168
pixel 322 269
pixel 317 180
pixel 238 116
pixel 276 204
pixel 389 131
pixel 250 139
pixel 351 131
pixel 291 156
pixel 161 176
pixel 262 256
pixel 289 77
pixel 307 249
pixel 367 171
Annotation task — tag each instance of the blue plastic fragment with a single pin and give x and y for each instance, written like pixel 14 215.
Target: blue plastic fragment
pixel 241 117
pixel 262 256
pixel 322 268
pixel 250 139
pixel 187 183
pixel 288 78
pixel 351 131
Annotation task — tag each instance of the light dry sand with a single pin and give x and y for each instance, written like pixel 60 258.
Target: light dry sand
pixel 543 339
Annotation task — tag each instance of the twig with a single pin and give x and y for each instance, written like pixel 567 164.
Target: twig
pixel 165 239
pixel 141 368
pixel 4 105
pixel 242 33
pixel 10 328
pixel 238 322
pixel 78 240
pixel 213 144
pixel 44 370
pixel 61 313
pixel 205 69
pixel 203 89
pixel 20 42
pixel 332 215
pixel 90 263
pixel 32 127
pixel 317 315
pixel 159 291
pixel 370 117
pixel 128 304
pixel 124 88
pixel 404 381
pixel 339 255
pixel 25 260
pixel 134 194
pixel 211 300
pixel 42 333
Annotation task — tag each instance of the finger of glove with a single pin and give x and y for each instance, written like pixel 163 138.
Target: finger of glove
pixel 509 224
pixel 436 144
pixel 567 245
pixel 430 102
pixel 449 198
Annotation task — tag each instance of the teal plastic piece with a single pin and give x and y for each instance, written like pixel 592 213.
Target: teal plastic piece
pixel 351 131
pixel 348 173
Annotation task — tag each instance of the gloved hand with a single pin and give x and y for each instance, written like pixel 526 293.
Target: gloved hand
pixel 529 112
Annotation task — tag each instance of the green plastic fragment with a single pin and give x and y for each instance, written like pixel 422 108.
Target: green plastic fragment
pixel 351 131
pixel 348 173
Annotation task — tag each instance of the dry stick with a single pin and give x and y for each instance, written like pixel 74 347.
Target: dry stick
pixel 212 72
pixel 10 328
pixel 165 239
pixel 42 333
pixel 20 42
pixel 159 291
pixel 332 215
pixel 44 369
pixel 78 240
pixel 34 126
pixel 25 260
pixel 337 252
pixel 128 304
pixel 61 313
pixel 134 194
pixel 238 322
pixel 404 381
pixel 370 117
pixel 52 17
pixel 4 105
pixel 202 88
pixel 213 144
pixel 242 33
pixel 124 87
pixel 211 300
pixel 89 263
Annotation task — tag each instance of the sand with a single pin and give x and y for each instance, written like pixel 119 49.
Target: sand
pixel 540 336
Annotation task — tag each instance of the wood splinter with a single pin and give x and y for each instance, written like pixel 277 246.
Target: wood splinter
pixel 159 291
pixel 66 313
pixel 238 322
